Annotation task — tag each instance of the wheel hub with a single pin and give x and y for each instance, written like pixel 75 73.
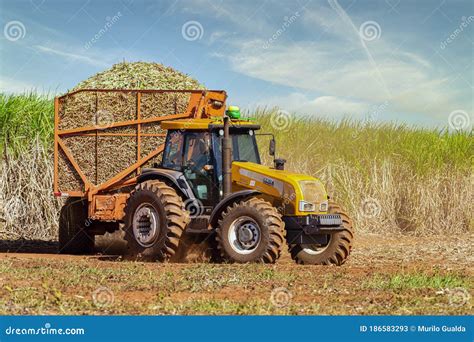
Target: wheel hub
pixel 244 235
pixel 247 235
pixel 145 225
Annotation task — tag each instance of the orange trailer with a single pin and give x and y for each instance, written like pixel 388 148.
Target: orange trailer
pixel 105 200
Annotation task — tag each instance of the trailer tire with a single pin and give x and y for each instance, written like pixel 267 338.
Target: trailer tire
pixel 74 237
pixel 250 231
pixel 337 250
pixel 154 221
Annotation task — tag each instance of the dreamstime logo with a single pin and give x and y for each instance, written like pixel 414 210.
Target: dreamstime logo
pixel 109 22
pixel 459 120
pixel 377 110
pixel 103 297
pixel 287 199
pixel 186 125
pixel 458 296
pixel 192 30
pixel 465 21
pixel 281 120
pixel 286 24
pixel 370 30
pixel 14 30
pixel 103 119
pixel 47 329
pixel 371 208
pixel 281 297
pixel 14 210
pixel 194 207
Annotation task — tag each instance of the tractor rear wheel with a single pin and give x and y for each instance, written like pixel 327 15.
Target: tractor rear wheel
pixel 250 231
pixel 337 249
pixel 74 237
pixel 154 221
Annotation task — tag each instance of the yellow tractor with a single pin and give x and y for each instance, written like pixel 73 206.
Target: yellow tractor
pixel 210 183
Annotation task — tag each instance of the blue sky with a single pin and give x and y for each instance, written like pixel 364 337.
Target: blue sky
pixel 405 61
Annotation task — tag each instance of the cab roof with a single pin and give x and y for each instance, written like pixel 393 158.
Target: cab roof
pixel 206 124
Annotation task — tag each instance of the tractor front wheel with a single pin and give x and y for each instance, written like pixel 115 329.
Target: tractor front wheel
pixel 335 252
pixel 250 231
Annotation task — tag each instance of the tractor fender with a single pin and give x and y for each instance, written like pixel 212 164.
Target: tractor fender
pixel 175 178
pixel 229 200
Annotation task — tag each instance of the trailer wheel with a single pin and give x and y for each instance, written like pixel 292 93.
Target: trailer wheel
pixel 335 252
pixel 74 237
pixel 250 231
pixel 154 221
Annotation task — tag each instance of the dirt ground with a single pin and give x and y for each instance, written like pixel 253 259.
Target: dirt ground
pixel 385 275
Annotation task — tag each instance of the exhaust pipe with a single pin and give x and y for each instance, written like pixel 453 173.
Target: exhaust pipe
pixel 226 159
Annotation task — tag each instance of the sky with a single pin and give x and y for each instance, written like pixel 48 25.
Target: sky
pixel 388 60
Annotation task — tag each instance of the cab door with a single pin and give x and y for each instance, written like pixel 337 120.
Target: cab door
pixel 190 153
pixel 198 166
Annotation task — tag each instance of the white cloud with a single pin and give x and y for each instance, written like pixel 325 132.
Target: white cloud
pixel 405 80
pixel 246 16
pixel 334 61
pixel 9 85
pixel 323 106
pixel 14 86
pixel 71 56
pixel 333 106
pixel 217 36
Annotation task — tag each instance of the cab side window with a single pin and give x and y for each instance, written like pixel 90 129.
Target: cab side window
pixel 173 154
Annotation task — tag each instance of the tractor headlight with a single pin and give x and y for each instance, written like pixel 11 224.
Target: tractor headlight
pixel 307 206
pixel 324 206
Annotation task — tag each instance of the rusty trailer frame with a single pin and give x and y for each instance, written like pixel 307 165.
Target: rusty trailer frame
pixel 105 202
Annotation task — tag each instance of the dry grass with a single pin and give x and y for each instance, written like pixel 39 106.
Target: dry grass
pixel 393 200
pixel 27 206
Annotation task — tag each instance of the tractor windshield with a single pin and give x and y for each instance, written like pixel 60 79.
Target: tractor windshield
pixel 244 148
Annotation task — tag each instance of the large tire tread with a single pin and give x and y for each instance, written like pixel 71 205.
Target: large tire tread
pixel 272 219
pixel 175 218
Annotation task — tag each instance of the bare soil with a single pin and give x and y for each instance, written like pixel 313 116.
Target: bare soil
pixel 384 275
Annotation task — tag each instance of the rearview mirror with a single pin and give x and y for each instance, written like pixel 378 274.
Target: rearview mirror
pixel 271 149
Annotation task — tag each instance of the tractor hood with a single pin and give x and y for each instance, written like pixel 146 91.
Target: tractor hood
pixel 292 189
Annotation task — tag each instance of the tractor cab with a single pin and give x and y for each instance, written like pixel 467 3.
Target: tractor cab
pixel 194 148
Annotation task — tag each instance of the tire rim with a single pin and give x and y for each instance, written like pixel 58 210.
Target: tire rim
pixel 145 225
pixel 244 235
pixel 316 249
